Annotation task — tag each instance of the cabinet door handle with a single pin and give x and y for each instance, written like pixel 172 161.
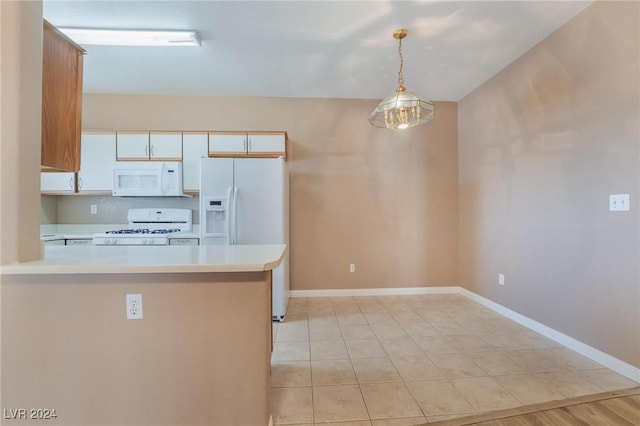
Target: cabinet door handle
pixel 146 150
pixel 249 144
pixel 71 182
pixel 244 147
pixel 79 183
pixel 151 151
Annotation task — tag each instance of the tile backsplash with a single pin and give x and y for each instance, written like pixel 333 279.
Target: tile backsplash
pixel 76 209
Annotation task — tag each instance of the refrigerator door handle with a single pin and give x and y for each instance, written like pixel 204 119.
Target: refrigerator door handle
pixel 235 214
pixel 229 216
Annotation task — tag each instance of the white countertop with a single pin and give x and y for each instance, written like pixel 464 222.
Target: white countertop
pixel 151 259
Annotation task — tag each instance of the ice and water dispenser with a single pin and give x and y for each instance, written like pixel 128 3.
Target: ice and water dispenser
pixel 216 216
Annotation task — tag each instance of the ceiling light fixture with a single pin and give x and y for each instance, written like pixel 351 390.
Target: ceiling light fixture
pixel 402 109
pixel 110 37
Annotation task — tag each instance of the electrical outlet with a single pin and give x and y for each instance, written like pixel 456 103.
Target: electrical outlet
pixel 501 279
pixel 352 267
pixel 94 209
pixel 134 306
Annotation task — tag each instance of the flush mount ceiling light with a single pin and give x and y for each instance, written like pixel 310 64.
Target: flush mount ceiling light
pixel 402 109
pixel 107 37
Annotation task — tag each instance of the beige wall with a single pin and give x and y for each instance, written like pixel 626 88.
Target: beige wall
pixel 385 201
pixel 541 146
pixel 200 356
pixel 20 122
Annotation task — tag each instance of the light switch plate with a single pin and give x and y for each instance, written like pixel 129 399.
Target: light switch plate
pixel 619 202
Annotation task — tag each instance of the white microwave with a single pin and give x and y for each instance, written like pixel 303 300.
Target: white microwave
pixel 147 179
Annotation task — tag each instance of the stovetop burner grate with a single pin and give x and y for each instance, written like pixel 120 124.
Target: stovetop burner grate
pixel 144 231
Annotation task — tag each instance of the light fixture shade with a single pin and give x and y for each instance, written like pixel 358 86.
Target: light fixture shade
pixel 401 110
pixel 111 37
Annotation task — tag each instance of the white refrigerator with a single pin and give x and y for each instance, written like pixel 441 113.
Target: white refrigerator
pixel 246 201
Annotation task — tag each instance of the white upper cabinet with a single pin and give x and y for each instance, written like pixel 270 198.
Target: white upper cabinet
pixel 267 143
pixel 96 165
pixel 165 146
pixel 227 143
pixel 100 149
pixel 58 183
pixel 156 146
pixel 132 146
pixel 194 146
pixel 249 144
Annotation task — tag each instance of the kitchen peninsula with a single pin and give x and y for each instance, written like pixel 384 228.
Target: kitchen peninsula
pixel 199 356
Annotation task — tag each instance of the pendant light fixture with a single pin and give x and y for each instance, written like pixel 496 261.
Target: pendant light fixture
pixel 402 109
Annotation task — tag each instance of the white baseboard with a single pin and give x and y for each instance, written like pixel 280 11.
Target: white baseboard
pixel 399 291
pixel 590 352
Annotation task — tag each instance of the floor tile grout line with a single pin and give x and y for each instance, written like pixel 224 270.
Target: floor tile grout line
pixel 424 414
pixel 395 368
pixel 410 307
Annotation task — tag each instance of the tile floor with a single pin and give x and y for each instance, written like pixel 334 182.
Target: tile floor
pixel 407 360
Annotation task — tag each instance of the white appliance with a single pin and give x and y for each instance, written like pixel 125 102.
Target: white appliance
pixel 147 179
pixel 246 201
pixel 148 227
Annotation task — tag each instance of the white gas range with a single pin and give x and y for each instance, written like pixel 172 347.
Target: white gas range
pixel 148 227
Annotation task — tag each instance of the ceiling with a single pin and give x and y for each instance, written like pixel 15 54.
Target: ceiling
pixel 334 49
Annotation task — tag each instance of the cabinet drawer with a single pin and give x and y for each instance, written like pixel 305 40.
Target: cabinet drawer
pixel 184 241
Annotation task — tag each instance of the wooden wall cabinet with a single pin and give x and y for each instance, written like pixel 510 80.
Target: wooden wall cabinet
pixel 61 101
